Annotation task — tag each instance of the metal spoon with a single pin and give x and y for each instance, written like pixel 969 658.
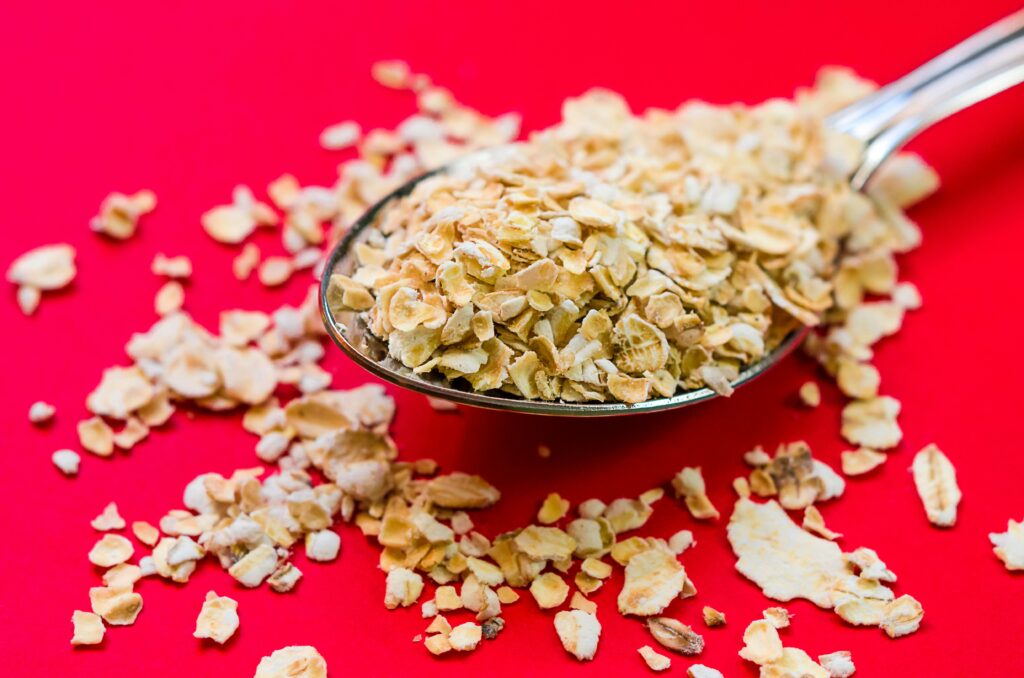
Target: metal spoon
pixel 983 65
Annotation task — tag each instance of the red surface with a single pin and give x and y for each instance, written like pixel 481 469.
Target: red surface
pixel 191 98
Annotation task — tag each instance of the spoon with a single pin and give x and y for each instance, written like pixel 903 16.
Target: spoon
pixel 985 64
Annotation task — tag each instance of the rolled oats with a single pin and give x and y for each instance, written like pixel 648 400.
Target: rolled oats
pixel 778 616
pixel 122 576
pixel 860 461
pixel 109 519
pixel 179 267
pixel 814 522
pixel 67 461
pixel 838 664
pixel 654 661
pixel 549 590
pixel 294 661
pixel 712 617
pixel 654 578
pixel 1009 546
pixel 110 550
pixel 680 541
pixel 935 479
pixel 231 224
pixel 465 637
pixel 41 412
pixel 117 606
pixel 810 394
pixel 553 509
pixel 794 476
pixel 246 261
pixel 872 423
pixel 403 588
pixel 689 483
pixel 340 136
pixel 89 628
pixel 581 602
pixel 701 671
pixel 218 620
pixel 579 632
pixel 50 267
pixel 119 213
pixel 761 643
pixel 255 566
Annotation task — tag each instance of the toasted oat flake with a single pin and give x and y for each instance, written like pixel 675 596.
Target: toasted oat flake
pixel 179 267
pixel 122 576
pixel 778 616
pixel 145 532
pixel 860 461
pixel 119 213
pixel 935 479
pixel 1009 546
pixel 394 73
pixel 689 483
pixel 653 579
pixel 110 550
pixel 89 628
pixel 284 578
pixel 838 664
pixel 246 261
pixel 579 632
pixel 761 643
pixel 403 588
pixel 461 491
pixel 437 644
pixel 549 590
pixel 858 380
pixel 712 617
pixel 447 599
pixel 41 412
pixel 654 661
pixel 218 620
pixel 675 635
pixel 49 267
pixel 814 522
pixel 233 223
pixel 108 519
pixel 133 432
pixel 294 661
pixel 340 136
pixel 465 637
pixel 553 509
pixel 872 423
pixel 255 566
pixel 810 394
pixel 274 271
pixel 507 595
pixel 117 606
pixel 581 602
pixel 701 671
pixel 67 461
pixel 169 298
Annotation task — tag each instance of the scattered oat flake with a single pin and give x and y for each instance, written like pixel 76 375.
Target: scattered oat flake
pixel 28 299
pixel 701 671
pixel 122 576
pixel 437 644
pixel 872 423
pixel 67 461
pixel 581 602
pixel 89 628
pixel 109 519
pixel 394 73
pixel 713 617
pixel 403 588
pixel 179 267
pixel 579 632
pixel 761 643
pixel 218 620
pixel 810 394
pixel 117 606
pixel 119 213
pixel 838 664
pixel 275 271
pixel 549 590
pixel 553 509
pixel 860 461
pixel 246 262
pixel 133 432
pixel 169 298
pixel 814 522
pixel 689 483
pixel 341 136
pixel 49 267
pixel 654 661
pixel 465 637
pixel 294 661
pixel 1009 545
pixel 778 616
pixel 654 578
pixel 935 479
pixel 110 550
pixel 41 412
pixel 442 405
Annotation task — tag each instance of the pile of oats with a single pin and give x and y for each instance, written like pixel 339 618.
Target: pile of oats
pixel 617 257
pixel 613 257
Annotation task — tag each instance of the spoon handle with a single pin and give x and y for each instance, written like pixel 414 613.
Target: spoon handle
pixel 985 64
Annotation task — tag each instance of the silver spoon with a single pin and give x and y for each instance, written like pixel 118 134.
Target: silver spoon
pixel 985 64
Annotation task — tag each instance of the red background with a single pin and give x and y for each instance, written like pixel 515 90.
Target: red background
pixel 189 99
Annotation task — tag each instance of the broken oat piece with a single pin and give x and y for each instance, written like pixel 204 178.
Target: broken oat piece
pixel 145 532
pixel 815 522
pixel 67 461
pixel 108 520
pixel 793 475
pixel 553 509
pixel 860 461
pixel 169 298
pixel 713 617
pixel 341 136
pixel 701 671
pixel 1009 545
pixel 41 412
pixel 763 647
pixel 179 267
pixel 935 479
pixel 675 635
pixel 403 588
pixel 778 616
pixel 689 483
pixel 50 267
pixel 231 224
pixel 465 637
pixel 218 620
pixel 89 628
pixel 117 606
pixel 96 436
pixel 872 423
pixel 810 394
pixel 119 213
pixel 654 578
pixel 579 632
pixel 654 661
pixel 294 661
pixel 838 664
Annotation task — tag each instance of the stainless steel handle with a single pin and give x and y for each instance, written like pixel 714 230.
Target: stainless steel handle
pixel 985 64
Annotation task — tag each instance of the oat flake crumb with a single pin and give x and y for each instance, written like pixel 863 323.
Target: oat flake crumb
pixel 89 628
pixel 67 461
pixel 218 620
pixel 1009 545
pixel 109 519
pixel 654 661
pixel 294 661
pixel 41 412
